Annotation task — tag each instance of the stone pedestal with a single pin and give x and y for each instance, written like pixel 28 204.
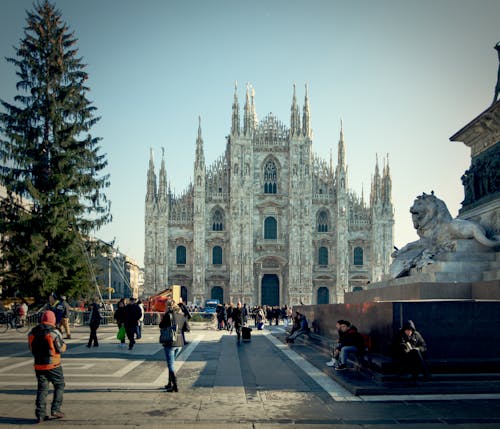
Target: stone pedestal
pixel 482 179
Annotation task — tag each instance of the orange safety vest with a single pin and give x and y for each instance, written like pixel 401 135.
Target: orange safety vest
pixel 46 345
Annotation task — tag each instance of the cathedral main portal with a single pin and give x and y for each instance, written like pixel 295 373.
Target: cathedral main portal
pixel 270 291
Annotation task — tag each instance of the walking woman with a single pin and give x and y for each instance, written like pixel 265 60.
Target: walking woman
pixel 173 317
pixel 119 316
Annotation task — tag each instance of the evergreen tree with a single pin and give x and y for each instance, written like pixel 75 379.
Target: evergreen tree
pixel 51 165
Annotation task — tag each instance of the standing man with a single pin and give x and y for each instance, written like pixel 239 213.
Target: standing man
pixel 56 307
pixel 238 320
pixel 94 323
pixel 46 345
pixel 132 316
pixel 65 317
pixel 140 324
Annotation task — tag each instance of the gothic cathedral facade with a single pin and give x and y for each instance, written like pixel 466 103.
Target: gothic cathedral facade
pixel 269 222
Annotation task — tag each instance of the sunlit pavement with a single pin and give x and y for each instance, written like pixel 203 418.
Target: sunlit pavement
pixel 259 384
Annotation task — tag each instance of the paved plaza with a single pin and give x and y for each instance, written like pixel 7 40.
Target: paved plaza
pixel 260 384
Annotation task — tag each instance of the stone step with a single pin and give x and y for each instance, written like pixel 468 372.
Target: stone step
pixel 491 274
pixel 457 267
pixel 467 257
pixel 466 276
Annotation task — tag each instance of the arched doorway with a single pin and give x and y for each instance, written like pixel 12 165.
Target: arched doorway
pixel 217 293
pixel 270 291
pixel 184 294
pixel 323 295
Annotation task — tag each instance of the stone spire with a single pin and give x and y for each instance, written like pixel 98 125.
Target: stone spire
pixel 162 190
pixel 306 117
pixel 255 120
pixel 235 120
pixel 341 149
pixel 247 117
pixel 376 191
pixel 294 116
pixel 386 183
pixel 151 186
pixel 199 162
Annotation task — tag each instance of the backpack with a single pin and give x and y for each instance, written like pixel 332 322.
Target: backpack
pixel 367 342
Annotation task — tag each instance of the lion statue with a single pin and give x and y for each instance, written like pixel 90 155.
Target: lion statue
pixel 437 230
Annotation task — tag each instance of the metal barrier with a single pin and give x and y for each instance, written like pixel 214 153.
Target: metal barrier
pixel 82 318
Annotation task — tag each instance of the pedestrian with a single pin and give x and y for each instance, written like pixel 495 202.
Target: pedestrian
pixel 94 323
pixel 410 347
pixel 244 311
pixel 56 307
pixel 352 342
pixel 119 316
pixel 46 345
pixel 338 345
pixel 187 315
pixel 65 317
pixel 132 316
pixel 140 323
pixel 238 320
pixel 22 312
pixel 175 319
pixel 303 328
pixel 229 312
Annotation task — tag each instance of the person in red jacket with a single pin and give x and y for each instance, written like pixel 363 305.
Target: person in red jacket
pixel 46 344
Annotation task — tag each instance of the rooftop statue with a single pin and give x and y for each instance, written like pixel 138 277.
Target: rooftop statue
pixel 437 231
pixel 497 88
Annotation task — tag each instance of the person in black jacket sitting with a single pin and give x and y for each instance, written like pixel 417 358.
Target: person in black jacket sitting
pixel 409 347
pixel 352 342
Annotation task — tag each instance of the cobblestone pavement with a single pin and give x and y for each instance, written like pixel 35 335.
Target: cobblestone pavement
pixel 260 384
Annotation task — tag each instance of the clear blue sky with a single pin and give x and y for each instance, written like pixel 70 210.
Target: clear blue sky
pixel 403 75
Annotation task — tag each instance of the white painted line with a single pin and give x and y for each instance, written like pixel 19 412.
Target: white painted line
pixel 335 390
pixel 183 357
pixel 127 368
pixel 15 365
pixel 429 397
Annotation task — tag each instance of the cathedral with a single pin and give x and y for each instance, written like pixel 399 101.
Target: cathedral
pixel 269 222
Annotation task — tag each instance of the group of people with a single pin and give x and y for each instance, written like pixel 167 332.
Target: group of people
pixel 260 315
pixel 409 348
pixel 46 343
pixel 130 320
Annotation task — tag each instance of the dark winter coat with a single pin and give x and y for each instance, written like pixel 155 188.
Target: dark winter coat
pixel 404 343
pixel 179 320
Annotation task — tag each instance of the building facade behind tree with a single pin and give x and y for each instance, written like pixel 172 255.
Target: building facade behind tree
pixel 269 222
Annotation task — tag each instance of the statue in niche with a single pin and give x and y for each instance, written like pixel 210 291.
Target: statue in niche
pixel 437 230
pixel 497 88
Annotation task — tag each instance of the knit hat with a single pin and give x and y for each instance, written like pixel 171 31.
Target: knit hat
pixel 49 318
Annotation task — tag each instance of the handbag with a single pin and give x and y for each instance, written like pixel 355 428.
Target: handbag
pixel 121 333
pixel 168 335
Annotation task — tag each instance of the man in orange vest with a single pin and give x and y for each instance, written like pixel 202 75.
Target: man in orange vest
pixel 46 344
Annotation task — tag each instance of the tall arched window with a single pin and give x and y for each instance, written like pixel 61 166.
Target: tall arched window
pixel 270 228
pixel 358 256
pixel 323 256
pixel 180 255
pixel 218 221
pixel 217 255
pixel 323 295
pixel 270 177
pixel 322 221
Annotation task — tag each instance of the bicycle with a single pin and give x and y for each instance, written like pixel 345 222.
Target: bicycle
pixel 13 321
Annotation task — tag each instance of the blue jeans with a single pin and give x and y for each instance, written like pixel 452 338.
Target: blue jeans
pixel 171 354
pixel 345 351
pixel 45 377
